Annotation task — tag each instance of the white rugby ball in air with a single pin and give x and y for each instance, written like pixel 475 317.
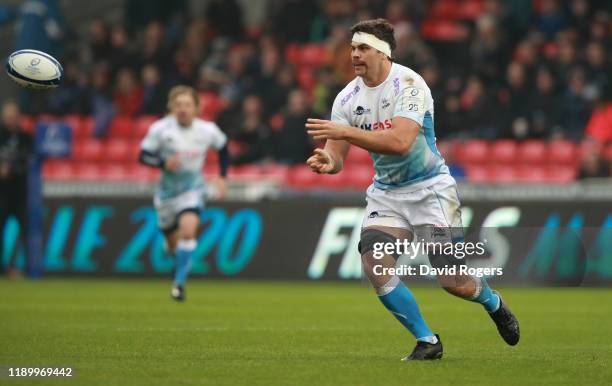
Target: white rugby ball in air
pixel 34 69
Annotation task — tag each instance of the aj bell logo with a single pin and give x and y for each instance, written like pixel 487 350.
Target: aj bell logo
pixel 360 111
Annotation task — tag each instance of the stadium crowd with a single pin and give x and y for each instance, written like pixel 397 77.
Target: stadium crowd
pixel 516 70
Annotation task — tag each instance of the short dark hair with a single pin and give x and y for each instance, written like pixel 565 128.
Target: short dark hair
pixel 380 28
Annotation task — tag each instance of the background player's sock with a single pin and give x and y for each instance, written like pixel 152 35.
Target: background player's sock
pixel 398 299
pixel 485 296
pixel 184 250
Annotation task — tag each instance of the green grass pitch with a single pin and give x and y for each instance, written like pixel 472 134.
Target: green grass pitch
pixel 129 332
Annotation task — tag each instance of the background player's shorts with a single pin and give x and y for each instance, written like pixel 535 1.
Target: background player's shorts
pixel 169 209
pixel 430 209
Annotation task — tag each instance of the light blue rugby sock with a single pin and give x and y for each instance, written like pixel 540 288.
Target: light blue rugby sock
pixel 400 301
pixel 184 250
pixel 485 296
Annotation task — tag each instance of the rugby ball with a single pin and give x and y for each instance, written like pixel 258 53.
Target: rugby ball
pixel 34 69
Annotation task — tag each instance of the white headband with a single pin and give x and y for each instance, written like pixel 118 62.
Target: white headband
pixel 372 41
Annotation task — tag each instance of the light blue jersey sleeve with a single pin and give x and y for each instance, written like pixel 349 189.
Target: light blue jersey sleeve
pixel 411 104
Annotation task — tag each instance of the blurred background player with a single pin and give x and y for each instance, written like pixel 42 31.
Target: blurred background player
pixel 178 145
pixel 16 147
pixel 388 110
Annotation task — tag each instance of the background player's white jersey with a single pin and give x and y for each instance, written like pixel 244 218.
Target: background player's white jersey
pixel 166 138
pixel 403 94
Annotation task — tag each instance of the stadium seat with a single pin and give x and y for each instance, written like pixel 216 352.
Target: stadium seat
pixel 121 127
pixel 359 156
pixel 531 174
pixel 292 53
pixel 211 105
pixel 88 149
pixel 133 151
pixel 140 173
pixel 338 181
pixel 27 124
pixel 142 124
pixel 560 174
pixel 504 151
pixel 212 157
pixel 562 152
pixel 471 9
pixel 114 172
pixel 532 152
pixel 244 171
pixel 88 171
pixel 503 174
pixel 276 171
pixel 472 152
pixel 87 127
pixel 312 55
pixel 478 173
pixel 301 177
pixel 76 124
pixel 441 30
pixel 358 176
pixel 117 149
pixel 58 170
pixel 306 78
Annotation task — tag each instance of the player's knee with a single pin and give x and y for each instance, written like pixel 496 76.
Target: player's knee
pixel 373 244
pixel 188 225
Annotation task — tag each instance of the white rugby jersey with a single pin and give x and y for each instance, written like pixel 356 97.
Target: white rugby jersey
pixel 403 94
pixel 166 138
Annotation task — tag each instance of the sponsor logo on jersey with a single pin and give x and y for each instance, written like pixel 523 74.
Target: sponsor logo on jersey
pixel 348 96
pixel 385 103
pixel 386 124
pixel 360 110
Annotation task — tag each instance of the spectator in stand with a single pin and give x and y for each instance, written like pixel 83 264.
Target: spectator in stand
pixel 225 18
pixel 567 57
pixel 489 53
pixel 275 98
pixel 102 106
pixel 515 98
pixel 551 19
pixel 73 96
pixel 128 94
pixel 120 55
pixel 99 43
pixel 576 107
pixel 545 106
pixel 593 165
pixel 293 19
pixel 450 122
pixel 339 53
pixel 153 47
pixel 249 130
pixel 154 91
pixel 479 110
pixel 325 91
pixel 291 143
pixel 598 66
pixel 16 148
pixel 411 50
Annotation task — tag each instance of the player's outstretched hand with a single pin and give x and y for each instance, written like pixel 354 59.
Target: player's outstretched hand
pixel 173 163
pixel 321 162
pixel 321 129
